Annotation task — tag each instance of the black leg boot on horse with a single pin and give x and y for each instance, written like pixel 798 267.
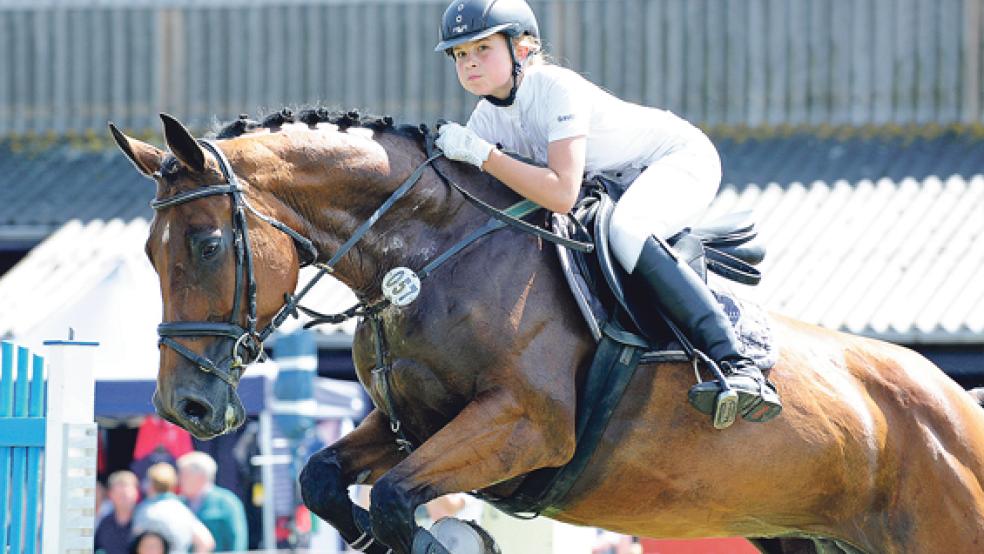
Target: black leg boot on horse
pixel 689 303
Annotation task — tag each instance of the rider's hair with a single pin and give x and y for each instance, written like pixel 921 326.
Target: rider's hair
pixel 536 56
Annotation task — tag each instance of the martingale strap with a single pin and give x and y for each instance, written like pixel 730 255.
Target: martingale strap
pixel 381 381
pixel 523 226
pixel 397 194
pixel 516 211
pixel 292 302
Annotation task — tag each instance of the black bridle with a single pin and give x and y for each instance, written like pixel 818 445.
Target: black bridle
pixel 248 340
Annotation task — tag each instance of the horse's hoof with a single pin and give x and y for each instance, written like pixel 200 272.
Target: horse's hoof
pixel 461 537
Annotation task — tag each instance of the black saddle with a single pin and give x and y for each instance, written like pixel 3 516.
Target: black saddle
pixel 610 300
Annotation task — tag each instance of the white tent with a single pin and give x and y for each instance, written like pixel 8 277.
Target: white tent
pixel 90 280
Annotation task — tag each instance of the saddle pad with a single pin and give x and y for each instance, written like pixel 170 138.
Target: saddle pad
pixel 751 324
pixel 750 321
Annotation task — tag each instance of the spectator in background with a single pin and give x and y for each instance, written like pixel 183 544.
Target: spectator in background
pixel 164 513
pixel 113 531
pixel 103 505
pixel 149 542
pixel 218 508
pixel 459 505
pixel 608 542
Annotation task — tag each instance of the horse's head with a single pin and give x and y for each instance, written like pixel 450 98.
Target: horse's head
pixel 223 273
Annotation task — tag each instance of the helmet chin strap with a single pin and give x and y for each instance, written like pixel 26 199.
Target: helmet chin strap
pixel 517 68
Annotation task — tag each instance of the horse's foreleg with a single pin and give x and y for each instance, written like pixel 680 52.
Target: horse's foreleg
pixel 360 456
pixel 493 439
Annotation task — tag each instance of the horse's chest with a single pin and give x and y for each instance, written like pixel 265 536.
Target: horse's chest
pixel 407 386
pixel 415 395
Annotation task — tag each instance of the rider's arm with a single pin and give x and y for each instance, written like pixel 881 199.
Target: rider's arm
pixel 554 187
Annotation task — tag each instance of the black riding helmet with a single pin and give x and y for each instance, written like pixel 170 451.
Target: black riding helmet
pixel 468 20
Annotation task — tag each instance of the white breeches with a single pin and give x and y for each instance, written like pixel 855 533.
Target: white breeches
pixel 672 193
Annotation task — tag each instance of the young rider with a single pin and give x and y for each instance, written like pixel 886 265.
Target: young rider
pixel 668 169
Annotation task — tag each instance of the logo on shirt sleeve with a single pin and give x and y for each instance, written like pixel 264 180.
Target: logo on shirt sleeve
pixel 563 118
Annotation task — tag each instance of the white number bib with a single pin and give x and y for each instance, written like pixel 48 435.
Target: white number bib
pixel 401 286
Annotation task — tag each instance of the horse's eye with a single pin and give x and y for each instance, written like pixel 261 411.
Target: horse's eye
pixel 210 248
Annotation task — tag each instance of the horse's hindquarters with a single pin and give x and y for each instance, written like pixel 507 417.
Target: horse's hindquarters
pixel 867 431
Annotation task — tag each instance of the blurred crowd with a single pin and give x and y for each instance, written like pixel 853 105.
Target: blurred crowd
pixel 171 510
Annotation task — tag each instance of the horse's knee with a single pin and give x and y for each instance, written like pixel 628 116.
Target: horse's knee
pixel 323 489
pixel 391 507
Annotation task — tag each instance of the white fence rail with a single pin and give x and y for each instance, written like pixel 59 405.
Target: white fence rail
pixel 68 526
pixel 69 65
pixel 49 415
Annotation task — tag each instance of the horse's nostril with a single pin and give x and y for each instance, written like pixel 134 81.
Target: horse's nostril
pixel 194 409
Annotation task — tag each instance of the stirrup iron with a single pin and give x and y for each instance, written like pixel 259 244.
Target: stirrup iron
pixel 725 410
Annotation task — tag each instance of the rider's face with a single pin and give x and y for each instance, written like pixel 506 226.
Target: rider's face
pixel 484 66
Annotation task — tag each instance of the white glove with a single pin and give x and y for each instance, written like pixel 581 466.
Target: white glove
pixel 462 144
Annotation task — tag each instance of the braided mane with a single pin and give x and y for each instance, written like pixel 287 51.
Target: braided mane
pixel 313 116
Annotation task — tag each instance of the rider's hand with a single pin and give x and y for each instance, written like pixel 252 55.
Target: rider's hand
pixel 462 144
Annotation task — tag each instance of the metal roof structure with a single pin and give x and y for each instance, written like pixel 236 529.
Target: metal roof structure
pixel 880 235
pixel 850 154
pixel 45 185
pixel 894 260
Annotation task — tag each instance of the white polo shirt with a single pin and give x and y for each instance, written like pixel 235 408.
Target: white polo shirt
pixel 554 103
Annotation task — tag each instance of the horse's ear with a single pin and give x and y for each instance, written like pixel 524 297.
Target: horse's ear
pixel 184 146
pixel 145 157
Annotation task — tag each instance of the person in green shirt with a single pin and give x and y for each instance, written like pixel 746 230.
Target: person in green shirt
pixel 218 508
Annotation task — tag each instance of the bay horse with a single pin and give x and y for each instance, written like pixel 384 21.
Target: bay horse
pixel 876 450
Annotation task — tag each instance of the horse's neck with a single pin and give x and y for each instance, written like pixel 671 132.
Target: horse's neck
pixel 328 201
pixel 435 217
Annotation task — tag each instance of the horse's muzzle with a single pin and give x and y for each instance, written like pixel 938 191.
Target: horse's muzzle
pixel 202 417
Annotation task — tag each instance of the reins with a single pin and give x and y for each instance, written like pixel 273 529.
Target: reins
pixel 248 340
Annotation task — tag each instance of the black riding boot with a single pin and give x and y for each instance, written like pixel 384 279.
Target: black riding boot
pixel 690 304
